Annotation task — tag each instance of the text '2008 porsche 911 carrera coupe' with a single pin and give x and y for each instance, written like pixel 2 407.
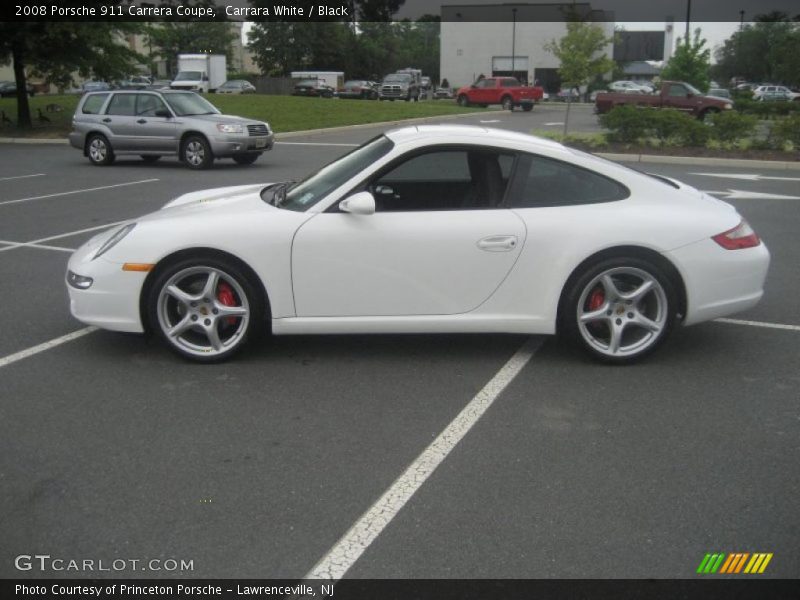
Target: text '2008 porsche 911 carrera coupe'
pixel 428 229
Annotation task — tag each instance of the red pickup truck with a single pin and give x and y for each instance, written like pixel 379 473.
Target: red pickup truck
pixel 673 94
pixel 506 91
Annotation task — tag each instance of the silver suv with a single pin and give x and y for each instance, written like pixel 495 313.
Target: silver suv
pixel 153 124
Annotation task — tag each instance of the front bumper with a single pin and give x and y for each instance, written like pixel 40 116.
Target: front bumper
pixel 720 282
pixel 229 145
pixel 112 301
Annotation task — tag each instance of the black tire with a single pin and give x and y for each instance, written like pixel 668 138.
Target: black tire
pixel 196 152
pixel 164 311
pixel 150 158
pixel 507 103
pixel 707 115
pixel 463 100
pixel 648 319
pixel 246 159
pixel 99 150
pixel 527 107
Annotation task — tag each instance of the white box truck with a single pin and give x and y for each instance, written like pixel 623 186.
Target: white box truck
pixel 200 72
pixel 333 79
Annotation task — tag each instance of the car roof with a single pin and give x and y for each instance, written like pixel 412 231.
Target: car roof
pixel 417 132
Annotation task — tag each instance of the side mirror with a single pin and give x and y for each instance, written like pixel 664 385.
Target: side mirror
pixel 361 203
pixel 473 86
pixel 163 112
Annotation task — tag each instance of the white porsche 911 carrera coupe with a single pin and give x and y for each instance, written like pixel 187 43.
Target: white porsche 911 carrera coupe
pixel 424 230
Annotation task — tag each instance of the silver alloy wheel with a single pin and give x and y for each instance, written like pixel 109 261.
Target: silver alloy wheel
pixel 98 150
pixel 193 317
pixel 622 311
pixel 195 153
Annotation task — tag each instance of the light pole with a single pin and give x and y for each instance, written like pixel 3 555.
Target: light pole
pixel 513 38
pixel 688 19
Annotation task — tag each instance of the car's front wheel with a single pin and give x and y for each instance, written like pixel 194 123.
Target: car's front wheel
pixel 205 309
pixel 619 309
pixel 463 100
pixel 197 153
pixel 99 150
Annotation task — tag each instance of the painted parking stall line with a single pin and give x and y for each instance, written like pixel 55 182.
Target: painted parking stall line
pixel 13 245
pixel 95 189
pixel 344 554
pixel 317 144
pixel 763 324
pixel 38 243
pixel 21 176
pixel 17 356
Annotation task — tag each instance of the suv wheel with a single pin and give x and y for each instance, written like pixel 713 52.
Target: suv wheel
pixel 196 152
pixel 99 150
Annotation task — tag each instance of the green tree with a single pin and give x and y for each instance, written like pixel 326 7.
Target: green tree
pixel 582 57
pixel 56 50
pixel 691 63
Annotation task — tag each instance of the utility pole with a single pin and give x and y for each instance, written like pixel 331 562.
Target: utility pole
pixel 688 19
pixel 513 38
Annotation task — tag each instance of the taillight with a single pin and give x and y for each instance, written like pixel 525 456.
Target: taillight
pixel 741 236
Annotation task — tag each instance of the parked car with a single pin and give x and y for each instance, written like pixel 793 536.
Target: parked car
pixel 236 86
pixel 572 94
pixel 153 124
pixel 774 93
pixel 628 87
pixel 313 87
pixel 506 91
pixel 443 93
pixel 159 84
pixel 399 86
pixel 137 82
pixel 673 94
pixel 95 86
pixel 428 229
pixel 359 88
pixel 719 93
pixel 8 89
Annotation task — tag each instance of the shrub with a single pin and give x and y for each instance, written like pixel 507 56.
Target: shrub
pixel 669 125
pixel 626 124
pixel 729 127
pixel 767 110
pixel 787 131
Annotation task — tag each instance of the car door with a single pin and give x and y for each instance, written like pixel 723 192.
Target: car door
pixel 154 132
pixel 679 98
pixel 439 243
pixel 121 121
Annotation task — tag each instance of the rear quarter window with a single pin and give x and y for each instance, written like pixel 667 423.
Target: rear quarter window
pixel 93 104
pixel 542 182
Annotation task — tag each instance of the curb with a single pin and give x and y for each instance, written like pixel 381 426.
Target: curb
pixel 703 161
pixel 33 140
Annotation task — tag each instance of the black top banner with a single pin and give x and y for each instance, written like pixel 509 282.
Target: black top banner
pixel 377 10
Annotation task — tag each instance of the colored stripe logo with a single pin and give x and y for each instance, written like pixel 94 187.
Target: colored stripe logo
pixel 734 563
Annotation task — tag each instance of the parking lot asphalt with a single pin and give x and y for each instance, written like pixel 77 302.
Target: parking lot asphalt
pixel 111 447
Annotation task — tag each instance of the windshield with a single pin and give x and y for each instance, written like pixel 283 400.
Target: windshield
pixel 187 104
pixel 311 190
pixel 189 76
pixel 693 90
pixel 397 77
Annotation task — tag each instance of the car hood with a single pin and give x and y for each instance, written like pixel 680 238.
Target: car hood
pixel 215 118
pixel 229 199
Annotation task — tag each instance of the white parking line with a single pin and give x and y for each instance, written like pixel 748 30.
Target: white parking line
pixel 764 324
pixel 352 545
pixel 12 358
pixel 316 144
pixel 32 245
pixel 21 176
pixel 58 236
pixel 103 187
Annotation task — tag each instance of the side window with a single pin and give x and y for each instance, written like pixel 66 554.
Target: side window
pixel 148 104
pixel 122 105
pixel 544 182
pixel 445 179
pixel 93 104
pixel 509 83
pixel 677 91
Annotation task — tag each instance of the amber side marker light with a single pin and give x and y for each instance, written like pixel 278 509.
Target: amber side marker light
pixel 141 267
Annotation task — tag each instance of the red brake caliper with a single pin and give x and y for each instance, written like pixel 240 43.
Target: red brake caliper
pixel 596 299
pixel 226 297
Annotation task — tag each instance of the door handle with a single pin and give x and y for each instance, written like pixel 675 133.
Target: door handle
pixel 106 120
pixel 142 121
pixel 498 243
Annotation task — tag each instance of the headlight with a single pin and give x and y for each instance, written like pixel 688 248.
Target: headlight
pixel 728 106
pixel 79 281
pixel 227 128
pixel 115 238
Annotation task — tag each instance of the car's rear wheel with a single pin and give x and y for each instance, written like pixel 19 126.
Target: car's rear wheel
pixel 246 159
pixel 196 152
pixel 205 309
pixel 527 107
pixel 150 158
pixel 99 150
pixel 619 309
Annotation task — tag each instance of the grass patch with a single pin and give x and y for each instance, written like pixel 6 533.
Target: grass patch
pixel 283 113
